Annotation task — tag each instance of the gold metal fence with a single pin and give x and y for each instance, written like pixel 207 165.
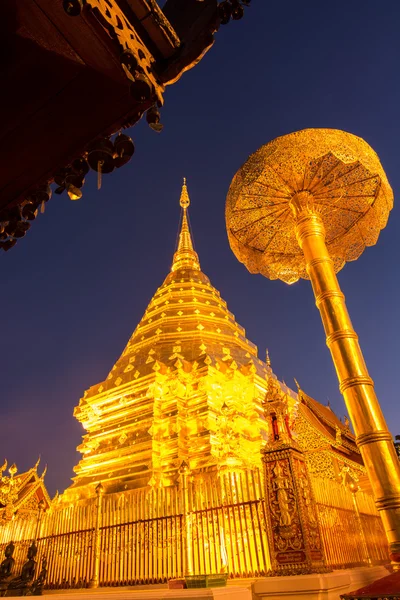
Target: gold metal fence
pixel 351 528
pixel 152 535
pixel 152 550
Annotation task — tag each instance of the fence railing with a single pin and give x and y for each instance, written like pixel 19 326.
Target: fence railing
pixel 151 535
pixel 351 528
pixel 230 538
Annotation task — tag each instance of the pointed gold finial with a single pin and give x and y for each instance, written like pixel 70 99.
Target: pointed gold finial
pixel 185 257
pixel 267 359
pixel 13 470
pixel 184 199
pixel 297 384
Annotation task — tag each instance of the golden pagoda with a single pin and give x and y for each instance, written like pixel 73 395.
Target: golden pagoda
pixel 186 365
pixel 198 460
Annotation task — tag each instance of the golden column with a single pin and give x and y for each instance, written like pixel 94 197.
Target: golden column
pixel 94 582
pixel 302 206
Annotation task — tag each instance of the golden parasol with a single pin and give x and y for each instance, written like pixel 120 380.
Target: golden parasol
pixel 348 189
pixel 301 206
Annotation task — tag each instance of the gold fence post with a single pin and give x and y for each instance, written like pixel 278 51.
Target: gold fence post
pixel 187 537
pixel 351 484
pixel 294 536
pixel 360 525
pixel 94 582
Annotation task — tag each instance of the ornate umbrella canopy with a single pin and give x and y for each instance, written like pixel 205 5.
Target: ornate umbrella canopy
pixel 344 183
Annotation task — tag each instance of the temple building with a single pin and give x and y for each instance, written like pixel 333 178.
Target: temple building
pixel 197 459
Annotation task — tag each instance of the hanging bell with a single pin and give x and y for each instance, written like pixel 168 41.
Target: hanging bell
pixel 225 12
pixel 21 229
pixel 7 244
pixel 60 175
pixel 73 184
pixel 100 156
pixel 237 11
pixel 141 89
pixel 73 8
pixel 29 211
pixel 41 194
pixel 153 118
pixel 59 179
pixel 11 227
pixel 129 60
pixel 75 180
pixel 80 166
pixel 123 149
pixel 73 192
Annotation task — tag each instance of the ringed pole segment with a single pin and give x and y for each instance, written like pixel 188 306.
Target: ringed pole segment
pixel 301 207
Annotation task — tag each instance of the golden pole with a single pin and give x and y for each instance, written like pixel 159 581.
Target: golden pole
pixel 94 582
pixel 372 435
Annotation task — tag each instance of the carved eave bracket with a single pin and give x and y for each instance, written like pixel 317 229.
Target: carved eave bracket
pixel 137 60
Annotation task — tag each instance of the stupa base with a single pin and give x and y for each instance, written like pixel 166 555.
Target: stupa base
pixel 327 586
pixel 232 592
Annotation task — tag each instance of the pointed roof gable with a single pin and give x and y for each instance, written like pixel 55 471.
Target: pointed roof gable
pixel 21 491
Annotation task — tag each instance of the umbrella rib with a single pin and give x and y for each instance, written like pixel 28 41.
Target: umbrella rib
pixel 356 165
pixel 264 195
pixel 287 237
pixel 322 196
pixel 257 234
pixel 267 185
pixel 347 229
pixel 353 182
pixel 327 173
pixel 281 178
pixel 274 205
pixel 352 210
pixel 256 221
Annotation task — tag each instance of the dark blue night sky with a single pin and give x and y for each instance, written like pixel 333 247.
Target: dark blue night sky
pixel 74 289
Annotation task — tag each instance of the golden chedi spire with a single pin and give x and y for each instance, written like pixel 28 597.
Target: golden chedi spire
pixel 185 256
pixel 143 419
